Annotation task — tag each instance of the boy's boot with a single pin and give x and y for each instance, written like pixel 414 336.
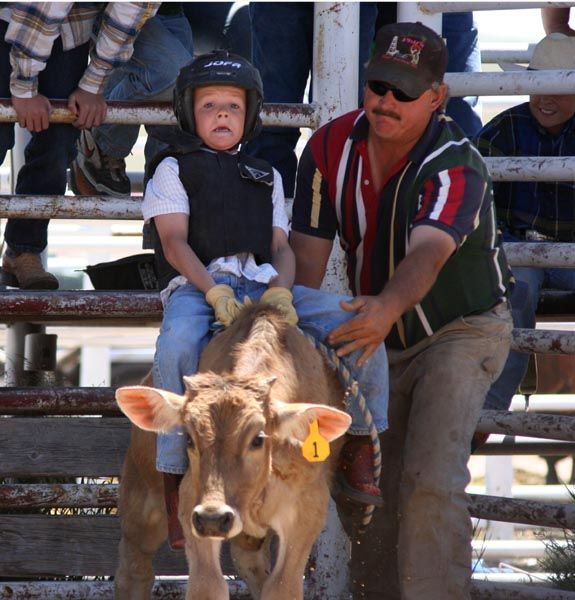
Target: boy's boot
pixel 27 271
pixel 355 471
pixel 171 496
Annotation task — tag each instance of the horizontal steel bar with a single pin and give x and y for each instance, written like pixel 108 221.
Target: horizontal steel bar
pixel 490 590
pixel 433 8
pixel 528 512
pixel 58 495
pixel 507 56
pixel 58 401
pixel 543 341
pixel 161 113
pixel 531 168
pixel 550 427
pixel 506 83
pixel 540 254
pixel 70 207
pixel 509 446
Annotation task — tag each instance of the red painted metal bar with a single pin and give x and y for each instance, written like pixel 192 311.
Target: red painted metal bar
pixel 130 307
pixel 58 401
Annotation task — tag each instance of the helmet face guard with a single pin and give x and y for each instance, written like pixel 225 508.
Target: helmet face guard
pixel 219 68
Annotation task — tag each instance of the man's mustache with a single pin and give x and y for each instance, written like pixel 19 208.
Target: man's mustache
pixel 386 113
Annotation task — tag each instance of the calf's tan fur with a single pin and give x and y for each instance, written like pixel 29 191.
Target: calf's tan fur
pixel 247 413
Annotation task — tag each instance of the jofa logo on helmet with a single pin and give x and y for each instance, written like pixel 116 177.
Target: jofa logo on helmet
pixel 223 63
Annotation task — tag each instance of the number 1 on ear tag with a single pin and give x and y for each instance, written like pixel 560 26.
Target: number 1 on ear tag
pixel 315 447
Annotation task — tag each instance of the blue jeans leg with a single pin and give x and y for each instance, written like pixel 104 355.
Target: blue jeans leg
pixel 49 153
pixel 523 300
pixel 282 47
pixel 319 313
pixel 461 37
pixel 186 330
pixel 6 129
pixel 162 48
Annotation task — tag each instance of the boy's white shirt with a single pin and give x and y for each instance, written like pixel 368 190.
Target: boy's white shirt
pixel 165 195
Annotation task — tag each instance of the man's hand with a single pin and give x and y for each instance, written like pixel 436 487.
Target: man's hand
pixel 366 330
pixel 90 109
pixel 33 113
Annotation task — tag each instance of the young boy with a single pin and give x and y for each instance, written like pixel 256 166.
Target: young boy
pixel 220 233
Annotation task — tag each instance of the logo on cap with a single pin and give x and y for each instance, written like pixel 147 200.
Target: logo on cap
pixel 412 49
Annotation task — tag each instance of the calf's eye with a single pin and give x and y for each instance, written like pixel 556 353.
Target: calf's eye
pixel 190 442
pixel 258 441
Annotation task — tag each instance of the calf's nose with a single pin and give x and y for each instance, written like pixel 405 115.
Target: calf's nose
pixel 213 521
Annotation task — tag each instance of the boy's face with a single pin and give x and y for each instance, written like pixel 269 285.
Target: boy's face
pixel 552 111
pixel 220 114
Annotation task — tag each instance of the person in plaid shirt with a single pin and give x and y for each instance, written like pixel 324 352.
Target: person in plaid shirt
pixel 55 50
pixel 540 211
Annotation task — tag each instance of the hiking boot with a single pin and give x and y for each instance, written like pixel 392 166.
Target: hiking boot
pixel 27 271
pixel 176 538
pixel 355 471
pixel 106 174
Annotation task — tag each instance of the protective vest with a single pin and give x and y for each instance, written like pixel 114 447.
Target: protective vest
pixel 231 208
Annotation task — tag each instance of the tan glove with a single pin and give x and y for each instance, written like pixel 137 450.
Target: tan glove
pixel 281 298
pixel 222 299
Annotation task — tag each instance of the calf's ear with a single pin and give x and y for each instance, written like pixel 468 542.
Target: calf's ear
pixel 149 408
pixel 294 420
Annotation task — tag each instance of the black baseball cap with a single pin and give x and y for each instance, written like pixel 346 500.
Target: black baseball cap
pixel 409 56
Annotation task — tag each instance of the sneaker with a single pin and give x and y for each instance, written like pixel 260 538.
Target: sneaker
pixel 176 538
pixel 27 271
pixel 106 174
pixel 355 472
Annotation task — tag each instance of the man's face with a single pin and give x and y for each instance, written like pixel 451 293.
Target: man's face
pixel 552 111
pixel 220 114
pixel 392 120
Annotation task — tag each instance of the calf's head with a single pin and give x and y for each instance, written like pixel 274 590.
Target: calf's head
pixel 232 425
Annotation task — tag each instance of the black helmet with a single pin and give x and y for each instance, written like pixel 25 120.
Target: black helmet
pixel 219 68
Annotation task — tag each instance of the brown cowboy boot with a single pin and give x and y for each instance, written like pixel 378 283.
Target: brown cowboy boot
pixel 176 538
pixel 355 471
pixel 27 269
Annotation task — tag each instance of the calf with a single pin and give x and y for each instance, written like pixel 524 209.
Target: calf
pixel 247 412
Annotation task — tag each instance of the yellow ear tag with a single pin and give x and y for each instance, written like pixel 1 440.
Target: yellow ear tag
pixel 315 447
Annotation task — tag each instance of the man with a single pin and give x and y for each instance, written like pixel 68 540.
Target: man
pixel 411 200
pixel 533 210
pixel 44 49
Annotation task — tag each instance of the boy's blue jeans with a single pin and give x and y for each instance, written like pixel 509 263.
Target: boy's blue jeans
pixel 186 330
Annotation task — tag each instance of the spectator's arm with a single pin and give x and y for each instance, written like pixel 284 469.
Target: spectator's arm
pixel 121 23
pixel 556 19
pixel 33 28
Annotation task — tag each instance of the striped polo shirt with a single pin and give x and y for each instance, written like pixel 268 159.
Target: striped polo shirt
pixel 443 182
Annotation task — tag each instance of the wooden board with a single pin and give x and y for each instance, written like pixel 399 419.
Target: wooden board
pixel 62 446
pixel 39 545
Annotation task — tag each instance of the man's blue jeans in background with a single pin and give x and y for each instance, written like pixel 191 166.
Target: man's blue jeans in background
pixel 162 48
pixel 524 298
pixel 49 153
pixel 282 46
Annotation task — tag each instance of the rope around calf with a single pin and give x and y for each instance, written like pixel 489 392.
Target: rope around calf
pixel 352 389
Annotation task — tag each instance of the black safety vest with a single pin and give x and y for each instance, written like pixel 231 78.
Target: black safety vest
pixel 231 208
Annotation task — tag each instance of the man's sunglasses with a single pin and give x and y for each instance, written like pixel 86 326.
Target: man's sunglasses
pixel 380 88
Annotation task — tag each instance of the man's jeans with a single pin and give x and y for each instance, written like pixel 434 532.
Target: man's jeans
pixel 49 153
pixel 524 299
pixel 162 48
pixel 419 544
pixel 461 37
pixel 187 328
pixel 282 45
